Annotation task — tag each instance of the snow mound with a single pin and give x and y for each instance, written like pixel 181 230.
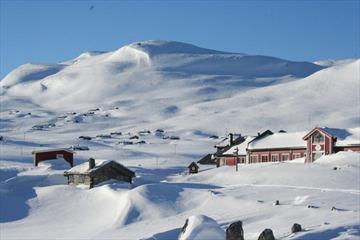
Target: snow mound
pixel 30 72
pixel 201 227
pixel 348 158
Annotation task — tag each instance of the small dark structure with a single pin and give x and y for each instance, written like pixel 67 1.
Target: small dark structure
pixel 96 171
pixel 193 168
pixel 53 154
pixel 85 137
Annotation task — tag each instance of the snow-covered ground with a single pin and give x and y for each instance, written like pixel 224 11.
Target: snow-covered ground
pixel 190 93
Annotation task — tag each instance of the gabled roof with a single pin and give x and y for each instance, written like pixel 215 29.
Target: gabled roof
pixel 193 164
pixel 207 160
pixel 52 150
pixel 338 133
pixel 237 141
pixel 278 141
pixel 99 164
pixel 262 135
pixel 240 147
pixel 225 141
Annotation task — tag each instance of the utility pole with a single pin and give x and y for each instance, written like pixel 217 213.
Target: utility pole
pixel 236 151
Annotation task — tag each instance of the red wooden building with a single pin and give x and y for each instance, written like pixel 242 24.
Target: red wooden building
pixel 275 147
pixel 283 146
pixel 53 154
pixel 324 141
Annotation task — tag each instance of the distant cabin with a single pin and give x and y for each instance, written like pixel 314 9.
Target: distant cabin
pixel 193 168
pixel 53 154
pixel 96 171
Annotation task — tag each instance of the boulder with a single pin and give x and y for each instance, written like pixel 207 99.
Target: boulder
pixel 296 228
pixel 235 231
pixel 200 227
pixel 267 234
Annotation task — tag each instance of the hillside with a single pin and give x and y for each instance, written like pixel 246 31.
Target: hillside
pixel 152 106
pixel 172 81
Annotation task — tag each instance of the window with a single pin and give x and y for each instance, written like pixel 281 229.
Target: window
pixel 264 158
pixel 296 155
pixel 59 156
pixel 317 137
pixel 284 157
pixel 274 158
pixel 253 159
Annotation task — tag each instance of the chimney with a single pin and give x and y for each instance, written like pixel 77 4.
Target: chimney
pixel 231 136
pixel 91 163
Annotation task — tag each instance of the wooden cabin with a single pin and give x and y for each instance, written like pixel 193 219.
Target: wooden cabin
pixel 193 168
pixel 53 154
pixel 96 171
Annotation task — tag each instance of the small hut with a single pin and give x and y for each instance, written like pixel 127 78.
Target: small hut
pixel 96 171
pixel 193 168
pixel 53 154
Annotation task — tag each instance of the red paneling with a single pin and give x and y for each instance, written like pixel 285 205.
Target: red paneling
pixel 230 161
pixel 43 156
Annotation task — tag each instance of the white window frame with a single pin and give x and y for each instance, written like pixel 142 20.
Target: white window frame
pixel 274 157
pixel 283 155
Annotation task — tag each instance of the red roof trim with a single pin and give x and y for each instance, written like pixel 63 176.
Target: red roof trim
pixel 316 129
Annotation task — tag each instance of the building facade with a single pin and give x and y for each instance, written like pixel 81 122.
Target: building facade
pixel 53 154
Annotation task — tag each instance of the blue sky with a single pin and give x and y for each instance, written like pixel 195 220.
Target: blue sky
pixel 53 31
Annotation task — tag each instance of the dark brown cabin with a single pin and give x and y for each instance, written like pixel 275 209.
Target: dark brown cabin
pixel 53 154
pixel 96 171
pixel 193 168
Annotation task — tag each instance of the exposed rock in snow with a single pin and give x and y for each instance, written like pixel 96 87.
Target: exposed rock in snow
pixel 296 228
pixel 235 231
pixel 267 234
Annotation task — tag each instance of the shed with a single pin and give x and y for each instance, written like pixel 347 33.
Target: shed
pixel 96 171
pixel 53 154
pixel 193 168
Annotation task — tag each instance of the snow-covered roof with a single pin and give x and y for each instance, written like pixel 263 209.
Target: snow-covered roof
pixel 241 147
pixel 226 140
pixel 280 140
pixel 84 167
pixel 344 136
pixel 352 138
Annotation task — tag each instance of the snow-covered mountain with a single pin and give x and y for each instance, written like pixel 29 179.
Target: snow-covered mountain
pixel 190 93
pixel 172 81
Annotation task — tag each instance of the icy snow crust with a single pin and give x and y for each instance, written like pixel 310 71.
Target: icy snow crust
pixel 191 93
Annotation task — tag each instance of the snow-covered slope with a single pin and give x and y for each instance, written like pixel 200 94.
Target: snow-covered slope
pixel 171 81
pixel 191 93
pixel 154 68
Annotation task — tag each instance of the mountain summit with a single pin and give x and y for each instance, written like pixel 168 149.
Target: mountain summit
pixel 165 80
